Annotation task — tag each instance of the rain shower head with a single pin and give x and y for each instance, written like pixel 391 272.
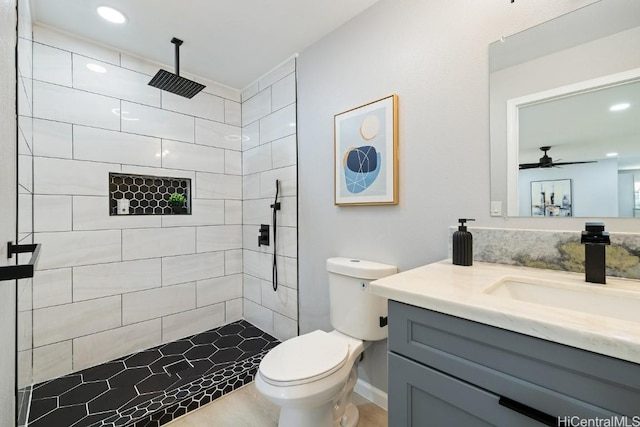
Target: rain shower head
pixel 173 82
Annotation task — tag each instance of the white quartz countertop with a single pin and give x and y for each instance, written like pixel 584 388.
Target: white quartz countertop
pixel 459 291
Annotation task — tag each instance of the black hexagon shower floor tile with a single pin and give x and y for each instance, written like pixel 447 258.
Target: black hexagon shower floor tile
pixel 153 387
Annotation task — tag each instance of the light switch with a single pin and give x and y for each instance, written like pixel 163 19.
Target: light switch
pixel 496 208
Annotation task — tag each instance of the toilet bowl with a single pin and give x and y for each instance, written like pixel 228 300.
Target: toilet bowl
pixel 307 375
pixel 312 376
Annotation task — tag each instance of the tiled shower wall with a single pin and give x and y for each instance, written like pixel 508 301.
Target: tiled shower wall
pixel 270 154
pixel 107 285
pixel 25 185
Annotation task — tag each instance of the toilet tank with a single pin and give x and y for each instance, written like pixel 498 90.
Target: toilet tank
pixel 355 311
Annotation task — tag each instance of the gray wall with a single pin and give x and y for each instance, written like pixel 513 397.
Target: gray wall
pixel 434 55
pixel 8 36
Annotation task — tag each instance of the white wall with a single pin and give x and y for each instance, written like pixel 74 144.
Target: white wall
pixel 8 40
pixel 434 55
pixel 270 153
pixel 626 191
pixel 109 286
pixel 594 187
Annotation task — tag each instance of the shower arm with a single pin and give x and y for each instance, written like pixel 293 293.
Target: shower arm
pixel 178 43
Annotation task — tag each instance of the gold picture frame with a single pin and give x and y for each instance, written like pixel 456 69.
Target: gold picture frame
pixel 366 154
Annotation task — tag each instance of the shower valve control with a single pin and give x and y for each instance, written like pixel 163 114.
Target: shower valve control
pixel 263 237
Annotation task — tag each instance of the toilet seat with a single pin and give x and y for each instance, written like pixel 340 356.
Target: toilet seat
pixel 304 359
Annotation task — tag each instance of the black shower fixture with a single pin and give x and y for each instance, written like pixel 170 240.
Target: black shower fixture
pixel 173 82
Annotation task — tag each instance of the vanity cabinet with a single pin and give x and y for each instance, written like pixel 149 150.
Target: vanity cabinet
pixel 445 370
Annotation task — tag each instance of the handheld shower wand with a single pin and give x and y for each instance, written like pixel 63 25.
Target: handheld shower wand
pixel 274 268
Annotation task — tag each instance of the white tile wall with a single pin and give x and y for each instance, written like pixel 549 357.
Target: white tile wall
pixel 75 248
pixel 144 120
pixel 219 289
pixel 138 280
pixel 260 316
pixel 203 105
pixel 219 238
pixel 270 153
pixel 52 287
pixel 154 303
pixel 153 243
pixel 71 177
pixel 257 159
pixel 233 212
pixel 180 155
pixel 233 162
pixel 52 139
pixel 218 186
pixel 116 82
pixel 68 105
pixel 52 361
pixel 96 281
pixel 52 213
pixel 284 327
pixel 187 268
pixel 257 107
pixel 51 37
pixel 51 65
pixel 203 212
pixel 107 146
pixel 251 135
pixel 233 261
pixel 233 310
pixel 283 92
pixel 92 213
pixel 278 125
pixel 284 152
pixel 232 112
pixel 219 135
pixel 63 322
pixel 98 348
pixel 191 322
pixel 285 69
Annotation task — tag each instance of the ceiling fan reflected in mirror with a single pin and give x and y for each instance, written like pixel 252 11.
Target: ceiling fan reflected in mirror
pixel 547 162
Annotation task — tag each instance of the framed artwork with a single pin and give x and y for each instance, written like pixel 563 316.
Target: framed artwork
pixel 366 154
pixel 551 198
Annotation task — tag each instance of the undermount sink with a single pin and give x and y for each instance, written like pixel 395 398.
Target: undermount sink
pixel 596 300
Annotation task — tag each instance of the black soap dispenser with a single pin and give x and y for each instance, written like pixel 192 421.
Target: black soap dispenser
pixel 463 244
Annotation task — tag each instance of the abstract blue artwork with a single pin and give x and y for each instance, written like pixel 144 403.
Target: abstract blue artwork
pixel 365 154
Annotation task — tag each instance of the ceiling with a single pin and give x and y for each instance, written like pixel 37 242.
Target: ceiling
pixel 233 42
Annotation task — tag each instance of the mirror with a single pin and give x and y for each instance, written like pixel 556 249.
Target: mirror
pixel 553 86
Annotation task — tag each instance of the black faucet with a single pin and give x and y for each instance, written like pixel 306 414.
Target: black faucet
pixel 595 238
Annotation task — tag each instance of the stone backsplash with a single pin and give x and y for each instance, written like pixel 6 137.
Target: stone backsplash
pixel 555 250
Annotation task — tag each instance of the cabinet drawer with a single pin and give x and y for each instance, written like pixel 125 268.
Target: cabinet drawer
pixel 518 366
pixel 420 396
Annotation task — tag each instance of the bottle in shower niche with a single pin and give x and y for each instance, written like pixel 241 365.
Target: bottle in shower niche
pixel 463 244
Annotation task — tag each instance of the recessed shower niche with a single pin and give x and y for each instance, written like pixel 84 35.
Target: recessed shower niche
pixel 148 195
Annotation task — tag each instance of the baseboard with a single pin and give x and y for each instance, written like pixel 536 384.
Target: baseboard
pixel 371 393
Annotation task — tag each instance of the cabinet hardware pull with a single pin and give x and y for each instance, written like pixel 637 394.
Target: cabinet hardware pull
pixel 528 411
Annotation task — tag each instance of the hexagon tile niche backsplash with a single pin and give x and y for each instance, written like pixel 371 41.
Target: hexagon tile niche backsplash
pixel 148 195
pixel 555 250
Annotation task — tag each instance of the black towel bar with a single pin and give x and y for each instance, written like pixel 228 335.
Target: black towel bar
pixel 24 271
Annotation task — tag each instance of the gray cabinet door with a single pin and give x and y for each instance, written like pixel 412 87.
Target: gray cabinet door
pixel 423 397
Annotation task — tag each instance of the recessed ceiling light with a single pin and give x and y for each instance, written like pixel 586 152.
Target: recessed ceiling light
pixel 112 15
pixel 612 154
pixel 96 68
pixel 620 107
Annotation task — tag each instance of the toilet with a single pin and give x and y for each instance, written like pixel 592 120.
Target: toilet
pixel 311 377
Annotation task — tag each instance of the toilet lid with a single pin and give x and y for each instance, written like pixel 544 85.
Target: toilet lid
pixel 303 359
